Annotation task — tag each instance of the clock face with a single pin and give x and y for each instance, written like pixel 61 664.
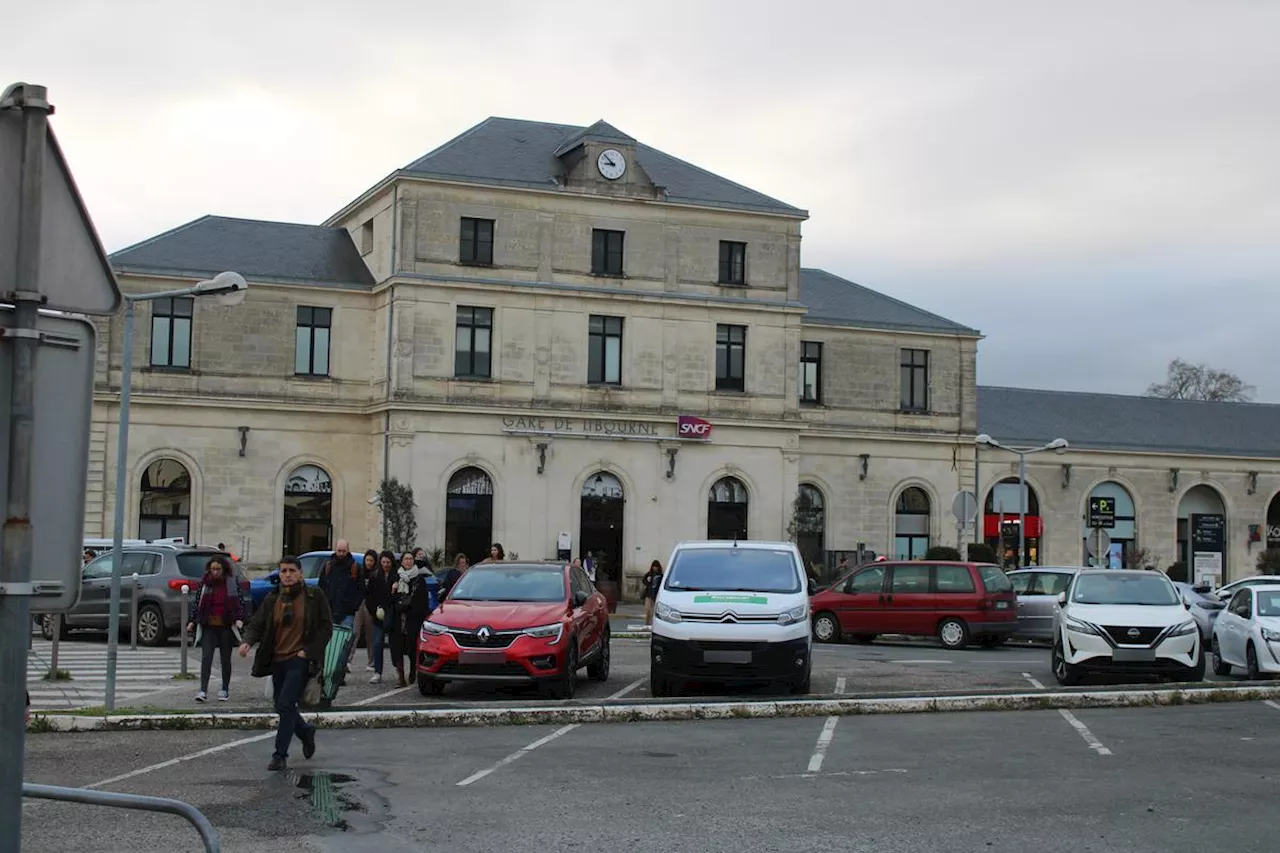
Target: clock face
pixel 611 164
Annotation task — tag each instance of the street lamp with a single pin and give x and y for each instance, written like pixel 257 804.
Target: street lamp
pixel 229 289
pixel 1058 445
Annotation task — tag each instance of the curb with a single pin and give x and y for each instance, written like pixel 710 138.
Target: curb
pixel 657 711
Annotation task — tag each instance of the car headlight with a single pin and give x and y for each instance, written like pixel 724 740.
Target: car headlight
pixel 1271 636
pixel 667 613
pixel 546 632
pixel 799 613
pixel 1078 626
pixel 434 629
pixel 1182 629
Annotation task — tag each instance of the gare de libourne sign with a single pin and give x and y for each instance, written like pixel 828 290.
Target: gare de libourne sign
pixel 686 428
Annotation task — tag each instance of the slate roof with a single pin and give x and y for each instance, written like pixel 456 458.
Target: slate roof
pixel 837 301
pixel 254 248
pixel 1117 422
pixel 518 153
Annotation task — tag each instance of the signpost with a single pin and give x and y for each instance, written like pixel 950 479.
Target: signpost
pixel 50 257
pixel 1099 545
pixel 964 506
pixel 1208 543
pixel 1102 512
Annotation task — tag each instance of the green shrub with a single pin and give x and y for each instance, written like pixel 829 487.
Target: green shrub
pixel 1178 572
pixel 1269 562
pixel 981 552
pixel 942 552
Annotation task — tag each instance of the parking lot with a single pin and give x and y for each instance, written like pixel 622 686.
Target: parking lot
pixel 1154 779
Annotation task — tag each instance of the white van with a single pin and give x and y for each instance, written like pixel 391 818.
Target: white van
pixel 731 612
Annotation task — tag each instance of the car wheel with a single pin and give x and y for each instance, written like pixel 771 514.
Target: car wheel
pixel 1220 667
pixel 151 630
pixel 1066 674
pixel 566 685
pixel 826 628
pixel 801 686
pixel 953 634
pixel 1251 663
pixel 599 668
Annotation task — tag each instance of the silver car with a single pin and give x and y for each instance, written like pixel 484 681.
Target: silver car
pixel 1037 590
pixel 162 571
pixel 1204 607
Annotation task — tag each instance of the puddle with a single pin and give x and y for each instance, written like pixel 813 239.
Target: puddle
pixel 328 802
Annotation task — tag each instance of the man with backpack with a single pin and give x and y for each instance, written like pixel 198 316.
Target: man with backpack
pixel 342 580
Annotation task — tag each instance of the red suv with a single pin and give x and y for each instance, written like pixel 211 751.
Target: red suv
pixel 516 623
pixel 956 602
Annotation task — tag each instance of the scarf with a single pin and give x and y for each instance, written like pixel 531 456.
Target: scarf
pixel 288 594
pixel 406 577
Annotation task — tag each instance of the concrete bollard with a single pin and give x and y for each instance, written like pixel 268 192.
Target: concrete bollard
pixel 186 592
pixel 133 614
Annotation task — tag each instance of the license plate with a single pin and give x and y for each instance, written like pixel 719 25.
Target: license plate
pixel 482 657
pixel 1133 655
pixel 1002 605
pixel 726 657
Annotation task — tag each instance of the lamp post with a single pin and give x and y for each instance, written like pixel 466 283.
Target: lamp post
pixel 1058 445
pixel 229 289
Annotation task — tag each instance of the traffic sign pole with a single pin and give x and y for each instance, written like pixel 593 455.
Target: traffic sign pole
pixel 22 289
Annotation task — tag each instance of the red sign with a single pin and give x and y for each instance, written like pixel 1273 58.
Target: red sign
pixel 690 427
pixel 991 525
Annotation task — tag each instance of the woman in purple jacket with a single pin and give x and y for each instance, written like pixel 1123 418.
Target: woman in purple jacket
pixel 219 609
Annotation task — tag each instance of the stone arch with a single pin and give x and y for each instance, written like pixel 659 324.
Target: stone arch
pixel 932 532
pixel 133 490
pixel 1038 492
pixel 338 507
pixel 1132 540
pixel 1268 534
pixel 716 476
pixel 812 542
pixel 497 505
pixel 1183 546
pixel 615 573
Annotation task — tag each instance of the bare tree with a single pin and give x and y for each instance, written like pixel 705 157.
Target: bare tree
pixel 1188 381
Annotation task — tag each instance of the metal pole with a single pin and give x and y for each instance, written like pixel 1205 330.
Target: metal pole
pixel 117 537
pixel 186 811
pixel 1022 509
pixel 15 541
pixel 186 592
pixel 133 615
pixel 979 527
pixel 57 639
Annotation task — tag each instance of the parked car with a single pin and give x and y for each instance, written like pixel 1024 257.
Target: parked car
pixel 1225 592
pixel 956 602
pixel 1037 590
pixel 517 622
pixel 312 562
pixel 1205 607
pixel 1125 621
pixel 1247 633
pixel 730 612
pixel 163 569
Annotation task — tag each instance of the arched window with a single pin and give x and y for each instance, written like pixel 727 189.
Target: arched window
pixel 1202 535
pixel 601 509
pixel 308 510
pixel 1000 519
pixel 911 524
pixel 164 508
pixel 809 526
pixel 727 510
pixel 468 515
pixel 1120 553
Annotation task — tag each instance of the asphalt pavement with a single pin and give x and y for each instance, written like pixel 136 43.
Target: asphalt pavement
pixel 1169 779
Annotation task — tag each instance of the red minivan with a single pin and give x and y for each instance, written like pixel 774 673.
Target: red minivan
pixel 958 603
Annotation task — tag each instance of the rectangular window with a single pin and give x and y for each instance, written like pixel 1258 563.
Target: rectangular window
pixel 733 262
pixel 171 332
pixel 731 358
pixel 311 341
pixel 606 252
pixel 915 380
pixel 366 237
pixel 810 372
pixel 473 340
pixel 475 245
pixel 604 350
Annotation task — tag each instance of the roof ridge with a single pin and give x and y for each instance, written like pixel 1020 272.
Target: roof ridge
pixel 640 146
pixel 147 242
pixel 1117 395
pixel 893 299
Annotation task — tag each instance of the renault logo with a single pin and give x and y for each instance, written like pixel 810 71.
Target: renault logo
pixel 1134 632
pixel 484 633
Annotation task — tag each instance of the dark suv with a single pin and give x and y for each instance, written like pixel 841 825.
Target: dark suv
pixel 162 572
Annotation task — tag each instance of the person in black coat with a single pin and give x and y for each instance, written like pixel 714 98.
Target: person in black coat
pixel 452 575
pixel 342 580
pixel 379 600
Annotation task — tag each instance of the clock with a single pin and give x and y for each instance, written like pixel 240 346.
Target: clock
pixel 611 164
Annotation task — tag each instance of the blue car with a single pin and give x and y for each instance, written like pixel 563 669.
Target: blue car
pixel 312 562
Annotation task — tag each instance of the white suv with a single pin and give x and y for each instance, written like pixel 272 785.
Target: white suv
pixel 1126 622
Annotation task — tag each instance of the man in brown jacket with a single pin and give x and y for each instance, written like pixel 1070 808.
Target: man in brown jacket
pixel 292 630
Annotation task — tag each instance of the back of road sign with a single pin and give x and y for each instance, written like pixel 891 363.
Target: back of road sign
pixel 74 272
pixel 60 460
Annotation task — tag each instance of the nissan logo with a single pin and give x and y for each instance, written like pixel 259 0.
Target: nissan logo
pixel 484 633
pixel 1134 632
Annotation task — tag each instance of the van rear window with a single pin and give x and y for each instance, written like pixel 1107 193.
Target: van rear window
pixel 192 563
pixel 731 569
pixel 994 579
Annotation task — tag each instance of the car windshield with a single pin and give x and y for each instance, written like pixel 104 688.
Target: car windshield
pixel 1152 590
pixel 510 583
pixel 1269 603
pixel 731 569
pixel 994 579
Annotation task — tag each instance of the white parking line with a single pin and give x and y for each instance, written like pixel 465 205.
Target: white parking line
pixel 824 737
pixel 172 762
pixel 1272 704
pixel 1034 683
pixel 563 730
pixel 1083 730
pixel 386 695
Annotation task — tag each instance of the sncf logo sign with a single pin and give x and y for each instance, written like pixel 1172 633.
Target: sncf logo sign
pixel 690 427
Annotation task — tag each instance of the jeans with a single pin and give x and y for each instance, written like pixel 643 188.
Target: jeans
pixel 348 622
pixel 288 677
pixel 379 643
pixel 211 640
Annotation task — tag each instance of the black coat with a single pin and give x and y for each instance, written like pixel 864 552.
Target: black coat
pixel 317 628
pixel 380 591
pixel 343 591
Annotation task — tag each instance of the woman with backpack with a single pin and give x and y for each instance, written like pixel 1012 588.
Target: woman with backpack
pixel 218 610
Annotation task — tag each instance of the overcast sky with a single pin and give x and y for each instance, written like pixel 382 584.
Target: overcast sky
pixel 1094 185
